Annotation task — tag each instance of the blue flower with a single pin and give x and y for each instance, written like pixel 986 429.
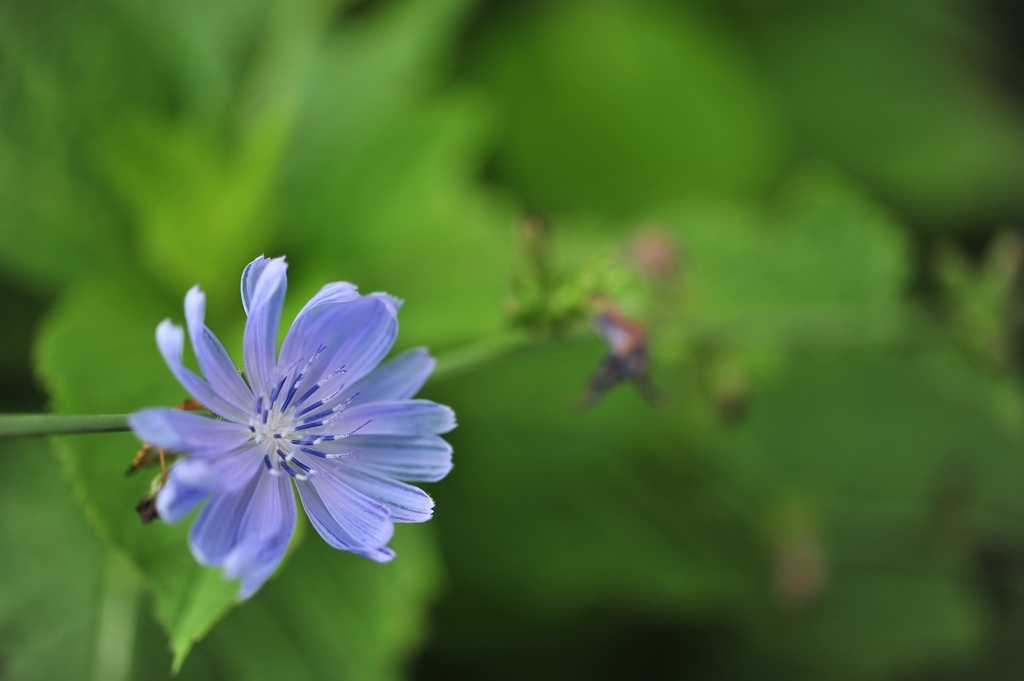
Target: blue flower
pixel 322 415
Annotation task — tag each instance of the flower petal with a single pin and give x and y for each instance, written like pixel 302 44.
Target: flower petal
pixel 181 431
pixel 397 379
pixel 263 535
pixel 215 532
pixel 395 417
pixel 299 344
pixel 346 518
pixel 405 503
pixel 426 458
pixel 264 309
pixel 330 294
pixel 177 498
pixel 381 555
pixel 223 470
pixel 250 275
pixel 214 361
pixel 357 334
pixel 171 341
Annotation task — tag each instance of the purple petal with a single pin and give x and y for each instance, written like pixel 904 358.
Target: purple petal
pixel 330 294
pixel 419 459
pixel 181 431
pixel 343 516
pixel 381 555
pixel 171 341
pixel 263 535
pixel 215 531
pixel 264 309
pixel 396 417
pixel 250 275
pixel 398 379
pixel 357 334
pixel 214 360
pixel 226 471
pixel 298 345
pixel 405 503
pixel 177 498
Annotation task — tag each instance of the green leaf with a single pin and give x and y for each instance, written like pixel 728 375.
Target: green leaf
pixel 56 220
pixel 904 464
pixel 185 187
pixel 381 190
pixel 52 566
pixel 612 106
pixel 330 614
pixel 97 353
pixel 823 265
pixel 610 507
pixel 897 94
pixel 67 602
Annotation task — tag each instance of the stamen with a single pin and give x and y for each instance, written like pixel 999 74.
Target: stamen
pixel 289 471
pixel 266 462
pixel 328 438
pixel 353 432
pixel 321 455
pixel 326 412
pixel 318 403
pixel 320 384
pixel 307 426
pixel 277 390
pixel 301 375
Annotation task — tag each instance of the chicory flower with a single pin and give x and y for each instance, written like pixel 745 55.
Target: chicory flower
pixel 321 415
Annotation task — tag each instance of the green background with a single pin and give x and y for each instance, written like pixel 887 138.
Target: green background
pixel 832 483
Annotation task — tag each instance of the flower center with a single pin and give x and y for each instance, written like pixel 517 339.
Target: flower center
pixel 292 419
pixel 277 423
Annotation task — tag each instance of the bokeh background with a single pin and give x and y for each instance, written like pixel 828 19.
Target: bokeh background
pixel 813 208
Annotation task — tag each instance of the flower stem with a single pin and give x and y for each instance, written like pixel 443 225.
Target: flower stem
pixel 477 353
pixel 449 364
pixel 23 425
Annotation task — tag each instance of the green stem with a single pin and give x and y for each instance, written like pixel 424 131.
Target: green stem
pixel 23 425
pixel 477 354
pixel 449 364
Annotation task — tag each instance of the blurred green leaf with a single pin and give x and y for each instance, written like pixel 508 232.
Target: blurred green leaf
pixel 187 189
pixel 897 93
pixel 613 506
pixel 328 615
pixel 63 70
pixel 907 467
pixel 97 355
pixel 615 105
pixel 52 566
pixel 822 265
pixel 980 301
pixel 381 188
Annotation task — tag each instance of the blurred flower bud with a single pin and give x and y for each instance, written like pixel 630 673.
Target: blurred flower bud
pixel 724 378
pixel 799 561
pixel 534 242
pixel 627 358
pixel 654 253
pixel 986 302
pixel 800 572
